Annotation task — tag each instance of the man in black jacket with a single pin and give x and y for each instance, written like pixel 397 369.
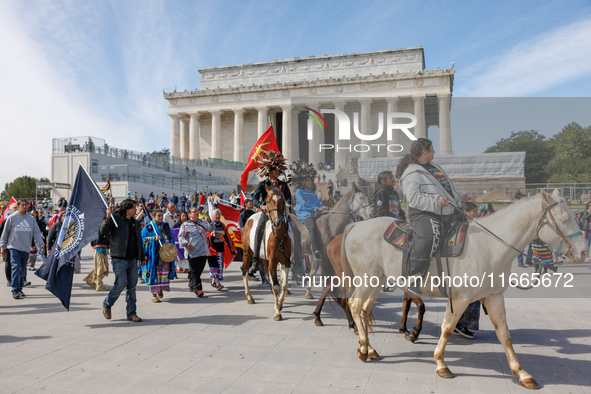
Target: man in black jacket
pixel 126 250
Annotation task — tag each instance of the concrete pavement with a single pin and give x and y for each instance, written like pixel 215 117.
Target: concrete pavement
pixel 219 343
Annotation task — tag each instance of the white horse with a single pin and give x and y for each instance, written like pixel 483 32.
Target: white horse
pixel 364 251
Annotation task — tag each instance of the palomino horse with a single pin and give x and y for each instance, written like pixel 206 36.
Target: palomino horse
pixel 333 223
pixel 333 251
pixel 364 251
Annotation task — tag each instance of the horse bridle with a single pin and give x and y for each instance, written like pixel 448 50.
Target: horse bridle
pixel 564 241
pixel 282 219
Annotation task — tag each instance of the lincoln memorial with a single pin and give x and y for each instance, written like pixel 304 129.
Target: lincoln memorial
pixel 234 105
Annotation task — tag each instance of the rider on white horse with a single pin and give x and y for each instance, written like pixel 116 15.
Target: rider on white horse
pixel 429 193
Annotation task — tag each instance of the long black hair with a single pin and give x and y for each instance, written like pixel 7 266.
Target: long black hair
pixel 416 150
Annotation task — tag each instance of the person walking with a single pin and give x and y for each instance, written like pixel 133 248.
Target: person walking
pixel 193 238
pixel 587 223
pixel 126 250
pixel 19 232
pixel 155 272
pixel 219 236
pixel 101 263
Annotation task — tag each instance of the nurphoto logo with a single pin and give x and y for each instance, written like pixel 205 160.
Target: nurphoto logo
pixel 391 120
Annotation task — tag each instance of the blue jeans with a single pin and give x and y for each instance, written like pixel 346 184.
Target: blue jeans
pixel 125 277
pixel 18 263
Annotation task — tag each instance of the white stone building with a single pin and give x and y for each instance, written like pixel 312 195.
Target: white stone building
pixel 234 104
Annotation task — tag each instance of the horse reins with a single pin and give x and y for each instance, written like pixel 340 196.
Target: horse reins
pixel 544 222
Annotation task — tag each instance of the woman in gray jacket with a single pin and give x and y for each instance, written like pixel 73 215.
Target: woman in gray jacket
pixel 193 238
pixel 430 195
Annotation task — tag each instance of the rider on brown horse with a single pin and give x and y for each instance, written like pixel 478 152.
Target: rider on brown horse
pixel 273 165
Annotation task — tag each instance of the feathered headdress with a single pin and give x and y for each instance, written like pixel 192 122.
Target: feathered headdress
pixel 300 170
pixel 271 160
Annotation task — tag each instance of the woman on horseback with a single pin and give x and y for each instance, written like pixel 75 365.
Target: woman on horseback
pixel 308 206
pixel 431 199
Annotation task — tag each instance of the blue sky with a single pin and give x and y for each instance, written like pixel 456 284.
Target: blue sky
pixel 73 68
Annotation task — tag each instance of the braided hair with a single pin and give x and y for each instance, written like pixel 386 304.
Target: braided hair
pixel 416 150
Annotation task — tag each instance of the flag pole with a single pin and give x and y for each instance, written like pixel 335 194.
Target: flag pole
pixel 97 190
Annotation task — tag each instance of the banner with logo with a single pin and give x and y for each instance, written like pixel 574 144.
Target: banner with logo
pixel 81 225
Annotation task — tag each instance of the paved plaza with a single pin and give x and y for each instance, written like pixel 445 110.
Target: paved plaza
pixel 219 343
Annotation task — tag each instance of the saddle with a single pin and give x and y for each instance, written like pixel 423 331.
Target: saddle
pixel 400 231
pixel 399 234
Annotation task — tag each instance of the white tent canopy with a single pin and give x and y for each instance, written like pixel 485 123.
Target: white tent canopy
pixel 480 165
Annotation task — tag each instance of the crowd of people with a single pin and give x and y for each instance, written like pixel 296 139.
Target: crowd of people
pixel 140 233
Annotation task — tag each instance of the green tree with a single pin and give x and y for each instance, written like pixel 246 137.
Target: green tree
pixel 538 152
pixel 23 187
pixel 572 151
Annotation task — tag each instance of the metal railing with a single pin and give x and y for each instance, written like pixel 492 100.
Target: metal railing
pixel 161 161
pixel 573 192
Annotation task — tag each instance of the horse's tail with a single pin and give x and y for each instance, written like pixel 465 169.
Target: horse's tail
pixel 347 271
pixel 369 318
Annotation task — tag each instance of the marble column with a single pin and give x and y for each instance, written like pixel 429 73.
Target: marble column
pixel 443 102
pixel 392 103
pixel 184 137
pixel 175 149
pixel 420 130
pixel 263 124
pixel 365 123
pixel 295 134
pixel 239 135
pixel 340 156
pixel 286 133
pixel 314 154
pixel 216 134
pixel 194 138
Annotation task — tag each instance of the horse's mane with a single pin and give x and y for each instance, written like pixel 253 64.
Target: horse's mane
pixel 508 210
pixel 343 201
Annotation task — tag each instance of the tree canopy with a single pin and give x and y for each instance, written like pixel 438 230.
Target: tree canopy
pixel 23 187
pixel 564 158
pixel 538 152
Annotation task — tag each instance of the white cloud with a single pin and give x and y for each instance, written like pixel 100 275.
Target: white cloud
pixel 531 66
pixel 69 70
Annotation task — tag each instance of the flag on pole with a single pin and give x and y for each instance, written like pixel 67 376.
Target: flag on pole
pixel 107 186
pixel 7 210
pixel 265 143
pixel 81 225
pixel 231 218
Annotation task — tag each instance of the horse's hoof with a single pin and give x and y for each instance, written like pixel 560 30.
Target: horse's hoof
pixel 278 317
pixel 530 383
pixel 356 332
pixel 373 355
pixel 445 373
pixel 412 338
pixel 309 297
pixel 318 322
pixel 280 307
pixel 288 292
pixel 251 300
pixel 362 356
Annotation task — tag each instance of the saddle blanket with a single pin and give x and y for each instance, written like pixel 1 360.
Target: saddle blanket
pixel 396 233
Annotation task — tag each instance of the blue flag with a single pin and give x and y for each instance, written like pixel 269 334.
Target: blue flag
pixel 82 221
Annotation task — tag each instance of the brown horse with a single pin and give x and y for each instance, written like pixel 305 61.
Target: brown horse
pixel 333 251
pixel 275 248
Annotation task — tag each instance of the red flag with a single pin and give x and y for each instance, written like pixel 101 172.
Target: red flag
pixel 265 143
pixel 12 201
pixel 242 199
pixel 231 218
